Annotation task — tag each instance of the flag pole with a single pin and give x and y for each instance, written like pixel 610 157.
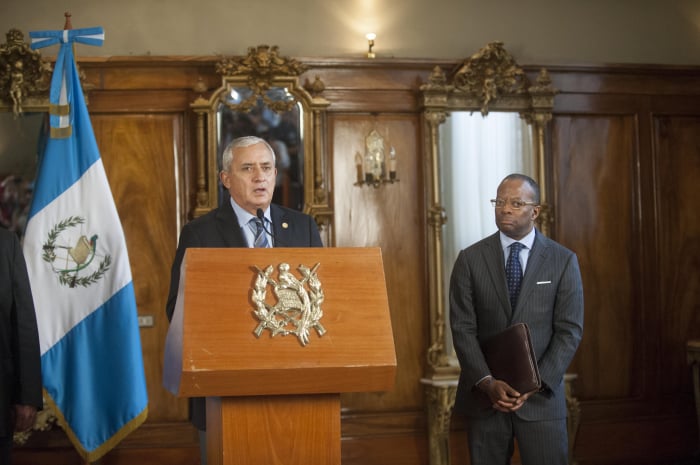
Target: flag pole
pixel 67 26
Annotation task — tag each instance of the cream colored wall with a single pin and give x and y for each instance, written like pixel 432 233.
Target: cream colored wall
pixel 535 31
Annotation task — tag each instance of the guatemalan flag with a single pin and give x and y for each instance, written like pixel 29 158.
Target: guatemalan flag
pixel 76 255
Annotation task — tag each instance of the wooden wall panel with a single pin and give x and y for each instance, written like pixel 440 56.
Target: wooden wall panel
pixel 389 217
pixel 138 152
pixel 677 163
pixel 594 160
pixel 624 159
pixel 389 427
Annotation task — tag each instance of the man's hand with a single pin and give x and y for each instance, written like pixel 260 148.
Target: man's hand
pixel 24 417
pixel 502 396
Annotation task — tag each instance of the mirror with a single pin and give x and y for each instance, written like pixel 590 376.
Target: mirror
pixel 483 120
pixel 24 83
pixel 475 152
pixel 260 95
pixel 21 139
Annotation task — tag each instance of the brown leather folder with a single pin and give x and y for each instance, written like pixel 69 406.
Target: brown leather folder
pixel 511 358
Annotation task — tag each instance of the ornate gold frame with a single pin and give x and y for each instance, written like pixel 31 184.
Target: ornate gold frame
pixel 261 69
pixel 489 80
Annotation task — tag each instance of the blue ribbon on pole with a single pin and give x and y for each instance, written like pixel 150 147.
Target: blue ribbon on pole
pixel 65 70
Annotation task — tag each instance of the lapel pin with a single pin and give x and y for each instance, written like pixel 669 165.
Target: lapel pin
pixel 285 225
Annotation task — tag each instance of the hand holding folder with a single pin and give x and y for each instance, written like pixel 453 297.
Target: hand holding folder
pixel 511 358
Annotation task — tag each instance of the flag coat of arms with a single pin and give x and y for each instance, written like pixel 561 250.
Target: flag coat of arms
pixel 77 260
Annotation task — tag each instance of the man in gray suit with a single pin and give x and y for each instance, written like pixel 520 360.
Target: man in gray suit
pixel 543 289
pixel 247 219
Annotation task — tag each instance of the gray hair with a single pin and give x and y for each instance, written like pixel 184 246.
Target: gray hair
pixel 245 141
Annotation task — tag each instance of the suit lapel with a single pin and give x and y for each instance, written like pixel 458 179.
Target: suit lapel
pixel 227 224
pixel 497 270
pixel 282 226
pixel 278 217
pixel 535 261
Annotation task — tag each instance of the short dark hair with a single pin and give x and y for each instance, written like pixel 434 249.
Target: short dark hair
pixel 531 182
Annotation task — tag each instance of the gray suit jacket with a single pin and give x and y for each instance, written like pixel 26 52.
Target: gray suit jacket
pixel 220 228
pixel 550 303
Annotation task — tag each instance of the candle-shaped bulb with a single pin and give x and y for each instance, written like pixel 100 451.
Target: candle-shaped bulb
pixel 358 167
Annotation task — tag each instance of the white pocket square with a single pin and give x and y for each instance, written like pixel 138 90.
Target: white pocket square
pixel 544 282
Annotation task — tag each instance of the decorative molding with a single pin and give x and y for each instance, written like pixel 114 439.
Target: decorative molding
pixel 440 398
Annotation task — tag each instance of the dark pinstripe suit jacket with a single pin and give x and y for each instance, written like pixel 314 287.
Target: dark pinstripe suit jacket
pixel 20 363
pixel 220 228
pixel 550 302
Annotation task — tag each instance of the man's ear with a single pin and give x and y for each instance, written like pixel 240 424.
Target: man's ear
pixel 223 175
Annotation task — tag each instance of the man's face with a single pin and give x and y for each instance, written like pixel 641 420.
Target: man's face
pixel 251 179
pixel 516 223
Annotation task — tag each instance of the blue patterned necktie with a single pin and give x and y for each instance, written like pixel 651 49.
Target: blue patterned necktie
pixel 514 273
pixel 260 236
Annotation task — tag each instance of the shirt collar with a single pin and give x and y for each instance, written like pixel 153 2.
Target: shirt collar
pixel 527 241
pixel 244 216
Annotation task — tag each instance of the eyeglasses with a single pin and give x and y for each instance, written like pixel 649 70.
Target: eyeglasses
pixel 515 204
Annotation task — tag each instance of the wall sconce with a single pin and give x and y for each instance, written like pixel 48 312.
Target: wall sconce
pixel 374 169
pixel 370 41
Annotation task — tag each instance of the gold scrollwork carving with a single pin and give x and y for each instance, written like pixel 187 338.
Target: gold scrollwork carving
pixel 437 216
pixel 23 72
pixel 489 74
pixel 45 420
pixel 260 65
pixel 440 399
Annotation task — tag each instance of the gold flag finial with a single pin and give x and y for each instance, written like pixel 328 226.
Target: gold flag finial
pixel 67 26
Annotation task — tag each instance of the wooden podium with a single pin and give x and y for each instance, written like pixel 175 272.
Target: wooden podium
pixel 272 399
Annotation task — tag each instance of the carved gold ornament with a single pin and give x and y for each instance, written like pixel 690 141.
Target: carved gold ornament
pixel 490 73
pixel 45 420
pixel 260 67
pixel 298 306
pixel 23 72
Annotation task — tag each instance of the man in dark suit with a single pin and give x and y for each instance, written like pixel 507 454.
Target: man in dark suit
pixel 483 302
pixel 249 175
pixel 20 367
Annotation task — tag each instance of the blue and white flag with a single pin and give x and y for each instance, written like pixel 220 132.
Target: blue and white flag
pixel 91 359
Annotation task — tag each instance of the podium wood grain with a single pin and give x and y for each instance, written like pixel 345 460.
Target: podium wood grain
pixel 272 430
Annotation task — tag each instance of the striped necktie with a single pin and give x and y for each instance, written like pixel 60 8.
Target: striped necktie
pixel 260 236
pixel 514 273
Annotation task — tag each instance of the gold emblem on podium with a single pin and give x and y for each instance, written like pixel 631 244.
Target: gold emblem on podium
pixel 298 302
